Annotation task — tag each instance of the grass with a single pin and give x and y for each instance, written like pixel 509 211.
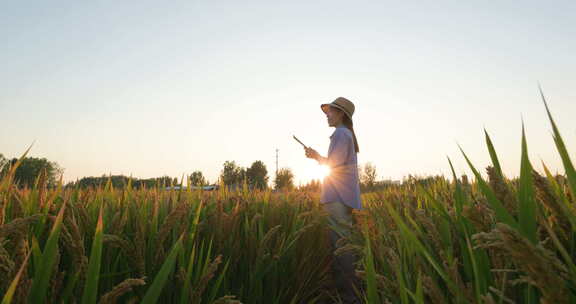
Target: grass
pixel 494 240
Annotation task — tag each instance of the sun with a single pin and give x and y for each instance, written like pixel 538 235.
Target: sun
pixel 318 172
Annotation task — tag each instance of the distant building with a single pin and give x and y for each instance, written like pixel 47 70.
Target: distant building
pixel 208 188
pixel 205 188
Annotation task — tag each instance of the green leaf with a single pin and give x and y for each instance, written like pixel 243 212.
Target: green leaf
pixel 218 282
pixel 493 155
pixel 91 287
pixel 70 284
pixel 194 224
pixel 458 193
pixel 7 179
pixel 372 289
pixel 568 166
pixel 527 203
pixel 501 213
pixel 185 291
pixel 46 266
pixel 560 197
pixel 419 290
pixel 153 293
pixel 36 252
pixel 408 235
pixel 471 257
pixel 7 299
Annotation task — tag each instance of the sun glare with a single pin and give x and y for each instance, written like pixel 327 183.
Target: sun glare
pixel 319 172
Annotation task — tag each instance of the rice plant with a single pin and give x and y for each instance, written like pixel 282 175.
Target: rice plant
pixel 494 240
pixel 111 245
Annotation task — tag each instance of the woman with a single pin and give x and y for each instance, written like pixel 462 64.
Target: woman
pixel 341 189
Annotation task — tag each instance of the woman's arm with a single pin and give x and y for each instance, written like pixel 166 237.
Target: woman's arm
pixel 337 154
pixel 311 153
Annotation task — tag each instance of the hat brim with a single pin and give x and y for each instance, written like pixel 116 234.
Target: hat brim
pixel 325 107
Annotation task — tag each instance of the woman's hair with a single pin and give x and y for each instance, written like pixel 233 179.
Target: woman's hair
pixel 350 125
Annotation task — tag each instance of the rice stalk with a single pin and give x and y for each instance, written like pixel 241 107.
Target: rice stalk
pixel 171 221
pixel 203 282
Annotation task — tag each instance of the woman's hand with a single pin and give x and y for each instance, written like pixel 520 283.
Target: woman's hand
pixel 311 153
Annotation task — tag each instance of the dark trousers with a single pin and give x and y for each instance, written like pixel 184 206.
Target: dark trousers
pixel 339 216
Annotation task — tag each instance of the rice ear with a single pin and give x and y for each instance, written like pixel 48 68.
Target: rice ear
pixel 121 289
pixel 541 267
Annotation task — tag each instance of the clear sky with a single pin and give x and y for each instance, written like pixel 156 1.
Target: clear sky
pixel 149 88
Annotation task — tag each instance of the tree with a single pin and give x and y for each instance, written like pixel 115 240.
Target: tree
pixel 31 167
pixel 241 176
pixel 284 179
pixel 197 179
pixel 121 181
pixel 257 175
pixel 3 165
pixel 231 174
pixel 368 176
pixel 3 161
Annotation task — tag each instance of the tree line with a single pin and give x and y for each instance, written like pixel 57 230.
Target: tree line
pixel 232 175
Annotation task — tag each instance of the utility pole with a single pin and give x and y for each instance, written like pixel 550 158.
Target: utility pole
pixel 276 163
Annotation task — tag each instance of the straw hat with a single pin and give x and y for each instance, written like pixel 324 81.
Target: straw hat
pixel 341 103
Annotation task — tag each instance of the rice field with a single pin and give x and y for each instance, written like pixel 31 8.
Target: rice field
pixel 456 240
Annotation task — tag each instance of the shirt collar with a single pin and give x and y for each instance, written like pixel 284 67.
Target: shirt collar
pixel 338 127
